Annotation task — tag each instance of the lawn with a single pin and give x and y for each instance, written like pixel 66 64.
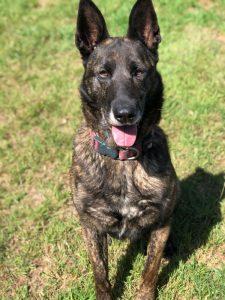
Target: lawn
pixel 42 254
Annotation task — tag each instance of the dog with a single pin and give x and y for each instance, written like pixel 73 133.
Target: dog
pixel 122 179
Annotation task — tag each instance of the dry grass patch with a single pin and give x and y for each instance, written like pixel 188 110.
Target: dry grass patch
pixel 212 258
pixel 207 4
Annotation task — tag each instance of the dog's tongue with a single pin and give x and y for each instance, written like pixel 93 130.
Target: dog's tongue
pixel 124 136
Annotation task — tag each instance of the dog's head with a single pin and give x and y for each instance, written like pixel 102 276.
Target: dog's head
pixel 121 88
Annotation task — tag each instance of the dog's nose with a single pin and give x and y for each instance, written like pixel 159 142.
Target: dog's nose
pixel 124 114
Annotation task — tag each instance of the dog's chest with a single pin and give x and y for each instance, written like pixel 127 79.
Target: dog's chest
pixel 120 198
pixel 133 193
pixel 128 197
pixel 131 185
pixel 129 209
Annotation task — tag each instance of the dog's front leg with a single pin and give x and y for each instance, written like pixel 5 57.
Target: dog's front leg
pixel 98 253
pixel 155 249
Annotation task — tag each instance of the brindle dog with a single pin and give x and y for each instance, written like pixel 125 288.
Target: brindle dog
pixel 123 182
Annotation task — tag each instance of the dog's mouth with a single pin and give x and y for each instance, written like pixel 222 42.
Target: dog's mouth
pixel 125 136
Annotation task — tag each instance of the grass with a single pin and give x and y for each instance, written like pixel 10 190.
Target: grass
pixel 42 254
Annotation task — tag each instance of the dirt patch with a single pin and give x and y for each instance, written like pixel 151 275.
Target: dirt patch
pixel 10 283
pixel 3 119
pixel 67 211
pixel 46 172
pixel 44 270
pixel 213 258
pixel 206 35
pixel 34 198
pixel 206 4
pixel 5 180
pixel 42 267
pixel 220 37
pixel 43 3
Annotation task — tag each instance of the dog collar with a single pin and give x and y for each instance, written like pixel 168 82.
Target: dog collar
pixel 118 153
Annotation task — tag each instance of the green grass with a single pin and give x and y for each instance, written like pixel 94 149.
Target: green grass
pixel 42 254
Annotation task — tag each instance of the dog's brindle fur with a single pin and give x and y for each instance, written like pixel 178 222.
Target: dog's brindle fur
pixel 122 198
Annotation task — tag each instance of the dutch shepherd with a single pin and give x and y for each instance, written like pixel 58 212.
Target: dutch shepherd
pixel 123 182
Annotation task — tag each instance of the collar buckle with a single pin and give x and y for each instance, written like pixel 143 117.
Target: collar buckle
pixel 128 153
pixel 118 153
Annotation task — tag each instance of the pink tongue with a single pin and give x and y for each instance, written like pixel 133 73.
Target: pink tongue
pixel 124 136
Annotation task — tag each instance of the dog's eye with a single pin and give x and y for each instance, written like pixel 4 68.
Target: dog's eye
pixel 103 74
pixel 137 73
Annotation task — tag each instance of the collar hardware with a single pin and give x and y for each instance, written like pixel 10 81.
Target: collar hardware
pixel 117 153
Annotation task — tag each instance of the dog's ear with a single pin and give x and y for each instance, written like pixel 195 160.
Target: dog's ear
pixel 143 24
pixel 91 28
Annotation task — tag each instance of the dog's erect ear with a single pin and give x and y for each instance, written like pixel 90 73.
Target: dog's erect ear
pixel 91 28
pixel 143 24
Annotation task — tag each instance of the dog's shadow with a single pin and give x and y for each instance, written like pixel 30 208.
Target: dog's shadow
pixel 198 211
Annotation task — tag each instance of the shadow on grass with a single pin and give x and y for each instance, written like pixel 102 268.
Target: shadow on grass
pixel 198 211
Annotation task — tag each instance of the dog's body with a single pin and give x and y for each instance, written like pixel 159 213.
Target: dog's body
pixel 122 97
